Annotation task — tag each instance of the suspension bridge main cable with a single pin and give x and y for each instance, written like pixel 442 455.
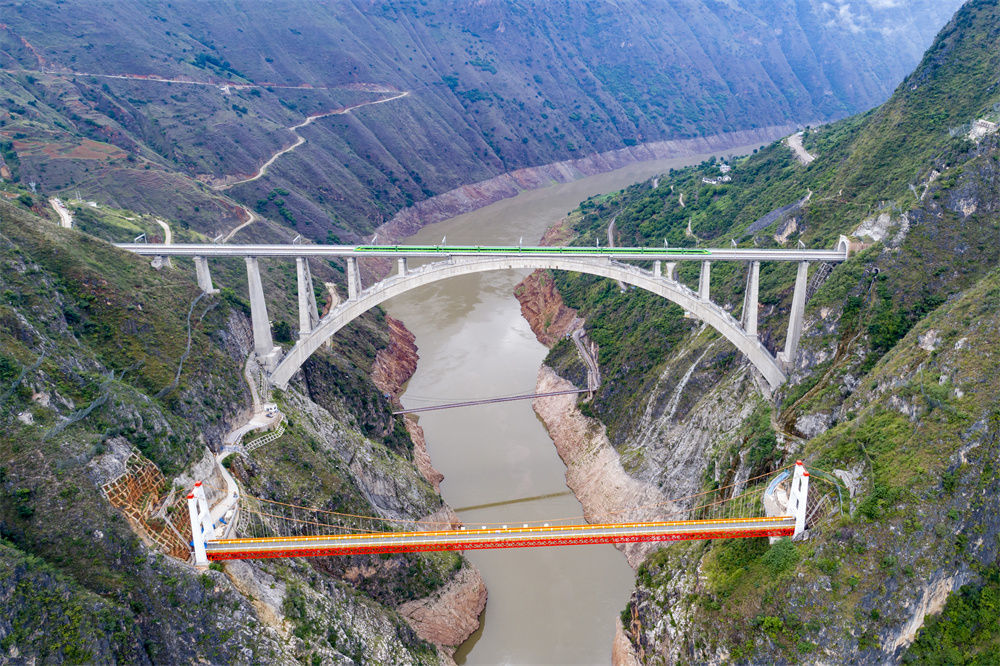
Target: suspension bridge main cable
pixel 398 521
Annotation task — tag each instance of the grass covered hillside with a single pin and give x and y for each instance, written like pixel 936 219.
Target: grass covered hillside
pixel 108 367
pixel 894 383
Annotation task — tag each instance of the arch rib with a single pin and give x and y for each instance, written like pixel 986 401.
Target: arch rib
pixel 395 285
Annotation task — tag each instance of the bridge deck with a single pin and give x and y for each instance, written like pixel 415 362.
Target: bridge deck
pixel 442 251
pixel 498 537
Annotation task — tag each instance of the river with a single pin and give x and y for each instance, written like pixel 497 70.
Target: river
pixel 546 605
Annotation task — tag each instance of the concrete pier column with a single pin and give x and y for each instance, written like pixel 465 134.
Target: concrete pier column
pixel 401 263
pixel 657 269
pixel 263 344
pixel 353 278
pixel 204 277
pixel 201 523
pixel 751 299
pixel 672 271
pixel 798 497
pixel 197 539
pixel 704 280
pixel 308 313
pixel 787 356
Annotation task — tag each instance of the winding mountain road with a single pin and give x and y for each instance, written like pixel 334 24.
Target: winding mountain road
pixel 299 139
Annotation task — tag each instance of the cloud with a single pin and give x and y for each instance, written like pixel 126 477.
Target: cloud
pixel 844 17
pixel 885 4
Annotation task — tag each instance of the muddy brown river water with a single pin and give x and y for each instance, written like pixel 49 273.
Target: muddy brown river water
pixel 546 605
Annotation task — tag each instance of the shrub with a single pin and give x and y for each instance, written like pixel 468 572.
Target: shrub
pixel 781 557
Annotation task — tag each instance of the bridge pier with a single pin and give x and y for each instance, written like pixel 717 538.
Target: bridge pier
pixel 201 523
pixel 401 263
pixel 263 344
pixel 798 497
pixel 704 281
pixel 353 279
pixel 751 298
pixel 787 356
pixel 308 313
pixel 204 277
pixel 671 273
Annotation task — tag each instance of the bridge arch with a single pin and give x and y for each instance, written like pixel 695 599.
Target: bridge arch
pixel 349 310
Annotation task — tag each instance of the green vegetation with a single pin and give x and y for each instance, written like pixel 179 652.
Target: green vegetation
pixel 9 158
pixel 894 368
pixel 966 631
pixel 90 339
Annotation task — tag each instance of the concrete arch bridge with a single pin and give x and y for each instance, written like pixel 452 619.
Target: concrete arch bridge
pixel 451 261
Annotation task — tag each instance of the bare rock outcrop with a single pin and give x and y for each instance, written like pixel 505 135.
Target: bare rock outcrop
pixel 396 363
pixel 594 470
pixel 543 308
pixel 393 367
pixel 449 616
pixel 421 458
pixel 622 650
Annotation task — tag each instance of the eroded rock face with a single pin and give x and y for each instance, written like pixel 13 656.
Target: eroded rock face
pixel 622 650
pixel 395 364
pixel 594 470
pixel 421 458
pixel 450 616
pixel 393 367
pixel 543 308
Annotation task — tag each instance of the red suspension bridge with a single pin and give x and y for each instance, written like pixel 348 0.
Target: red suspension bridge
pixel 774 505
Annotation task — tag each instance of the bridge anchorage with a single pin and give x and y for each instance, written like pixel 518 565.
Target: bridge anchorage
pixel 452 261
pixel 774 505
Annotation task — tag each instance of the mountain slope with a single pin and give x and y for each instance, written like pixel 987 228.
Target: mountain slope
pixel 493 87
pixel 894 383
pixel 110 414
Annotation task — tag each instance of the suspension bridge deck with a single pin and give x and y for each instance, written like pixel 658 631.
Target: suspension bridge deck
pixel 498 537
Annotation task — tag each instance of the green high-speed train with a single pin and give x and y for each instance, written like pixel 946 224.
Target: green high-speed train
pixel 491 249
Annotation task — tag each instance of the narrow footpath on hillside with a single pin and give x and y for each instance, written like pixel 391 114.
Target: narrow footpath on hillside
pixel 218 83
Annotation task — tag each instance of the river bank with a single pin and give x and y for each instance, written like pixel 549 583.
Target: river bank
pixel 451 615
pixel 474 196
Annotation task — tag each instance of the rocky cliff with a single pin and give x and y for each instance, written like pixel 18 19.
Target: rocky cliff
pixel 544 310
